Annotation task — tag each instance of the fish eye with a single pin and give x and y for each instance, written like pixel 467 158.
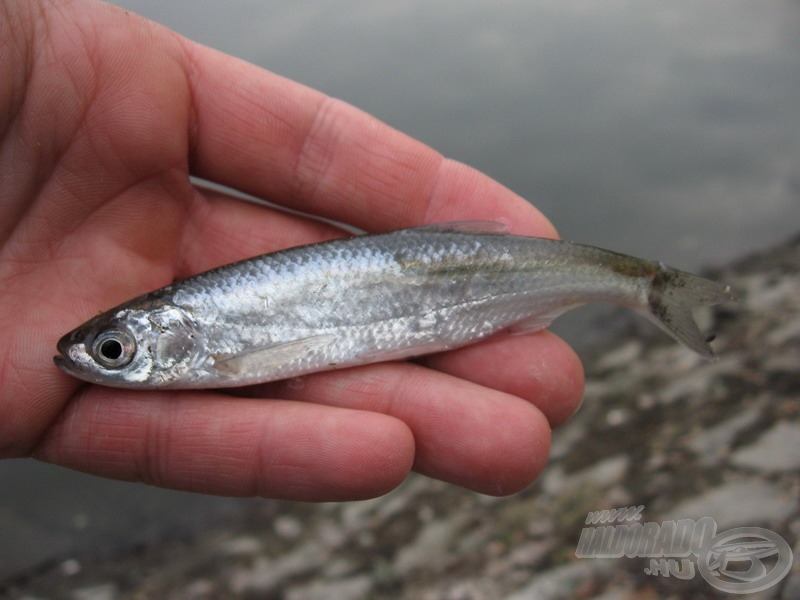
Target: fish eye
pixel 113 348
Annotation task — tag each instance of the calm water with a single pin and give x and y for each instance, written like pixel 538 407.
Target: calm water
pixel 666 130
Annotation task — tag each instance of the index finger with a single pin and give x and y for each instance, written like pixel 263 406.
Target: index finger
pixel 279 140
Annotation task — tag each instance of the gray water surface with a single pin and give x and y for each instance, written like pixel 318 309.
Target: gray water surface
pixel 664 130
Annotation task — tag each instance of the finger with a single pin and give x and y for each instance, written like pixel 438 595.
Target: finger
pixel 216 444
pixel 475 437
pixel 279 140
pixel 96 84
pixel 540 368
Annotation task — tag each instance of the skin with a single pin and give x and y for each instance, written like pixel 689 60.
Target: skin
pixel 103 117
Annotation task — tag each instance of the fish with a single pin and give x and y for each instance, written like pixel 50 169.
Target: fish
pixel 369 298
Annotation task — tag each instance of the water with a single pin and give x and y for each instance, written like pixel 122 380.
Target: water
pixel 665 130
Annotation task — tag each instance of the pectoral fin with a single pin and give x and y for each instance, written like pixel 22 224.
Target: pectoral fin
pixel 272 356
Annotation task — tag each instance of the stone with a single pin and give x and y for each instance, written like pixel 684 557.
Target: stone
pixel 562 582
pixel 777 450
pixel 104 591
pixel 353 588
pixel 713 443
pixel 288 527
pixel 266 575
pixel 243 545
pixel 746 502
pixel 430 545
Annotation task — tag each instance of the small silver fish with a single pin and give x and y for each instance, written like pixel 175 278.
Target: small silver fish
pixel 368 299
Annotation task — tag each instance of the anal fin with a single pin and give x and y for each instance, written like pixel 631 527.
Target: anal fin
pixel 540 321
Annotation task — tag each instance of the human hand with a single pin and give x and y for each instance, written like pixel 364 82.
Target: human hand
pixel 103 117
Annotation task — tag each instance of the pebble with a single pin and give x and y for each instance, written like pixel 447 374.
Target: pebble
pixel 617 416
pixel 267 574
pixel 560 582
pixel 70 567
pixel 789 332
pixel 695 384
pixel 603 474
pixel 244 545
pixel 200 589
pixel 564 439
pixel 429 547
pixel 104 591
pixel 621 356
pixel 746 502
pixel 777 450
pixel 530 554
pixel 713 443
pixel 288 527
pixel 353 588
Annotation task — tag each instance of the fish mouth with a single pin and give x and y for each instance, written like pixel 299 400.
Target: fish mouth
pixel 63 345
pixel 63 364
pixel 71 368
pixel 64 359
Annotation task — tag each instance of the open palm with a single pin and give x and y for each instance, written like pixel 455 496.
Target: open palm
pixel 103 118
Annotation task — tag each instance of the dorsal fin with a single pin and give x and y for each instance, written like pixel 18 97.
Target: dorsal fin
pixel 495 227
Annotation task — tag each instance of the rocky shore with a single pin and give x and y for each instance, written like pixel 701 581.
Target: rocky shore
pixel 659 428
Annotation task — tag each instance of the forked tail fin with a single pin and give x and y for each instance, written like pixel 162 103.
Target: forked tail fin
pixel 673 295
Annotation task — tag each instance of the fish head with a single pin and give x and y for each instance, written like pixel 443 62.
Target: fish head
pixel 153 344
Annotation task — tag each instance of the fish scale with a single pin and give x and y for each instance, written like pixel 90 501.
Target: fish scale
pixel 367 299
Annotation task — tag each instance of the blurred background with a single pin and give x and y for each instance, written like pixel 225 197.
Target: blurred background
pixel 664 130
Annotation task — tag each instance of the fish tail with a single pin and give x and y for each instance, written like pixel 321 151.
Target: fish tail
pixel 673 295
